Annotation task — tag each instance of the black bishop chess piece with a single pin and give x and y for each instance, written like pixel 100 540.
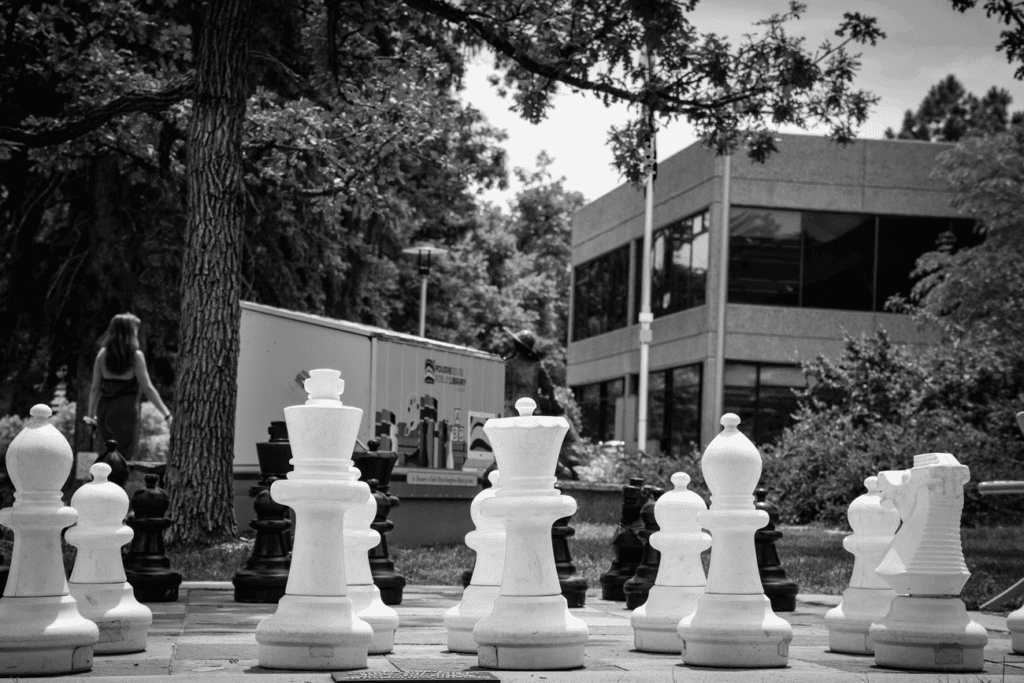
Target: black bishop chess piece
pixel 375 467
pixel 781 591
pixel 118 465
pixel 574 586
pixel 265 575
pixel 629 548
pixel 146 564
pixel 638 587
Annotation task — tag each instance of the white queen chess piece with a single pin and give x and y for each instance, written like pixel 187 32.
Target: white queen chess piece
pixel 41 630
pixel 734 625
pixel 315 627
pixel 681 578
pixel 98 581
pixel 927 626
pixel 867 599
pixel 488 540
pixel 530 625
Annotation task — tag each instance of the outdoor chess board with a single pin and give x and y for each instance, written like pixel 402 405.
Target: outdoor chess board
pixel 206 636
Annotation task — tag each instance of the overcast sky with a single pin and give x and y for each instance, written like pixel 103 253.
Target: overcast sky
pixel 926 40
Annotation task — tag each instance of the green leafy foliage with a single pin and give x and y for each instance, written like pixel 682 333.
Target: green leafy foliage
pixel 949 113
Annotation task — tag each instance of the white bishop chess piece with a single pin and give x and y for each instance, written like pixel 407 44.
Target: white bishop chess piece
pixel 365 596
pixel 315 627
pixel 734 625
pixel 488 540
pixel 681 578
pixel 867 599
pixel 530 625
pixel 98 582
pixel 927 626
pixel 41 630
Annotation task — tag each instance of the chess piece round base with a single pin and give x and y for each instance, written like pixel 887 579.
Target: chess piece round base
pixel 44 635
pixel 477 602
pixel 656 622
pixel 155 587
pixel 259 588
pixel 381 618
pixel 735 631
pixel 849 622
pixel 574 591
pixel 929 633
pixel 314 633
pixel 390 594
pixel 530 633
pixel 1015 624
pixel 122 621
pixel 782 595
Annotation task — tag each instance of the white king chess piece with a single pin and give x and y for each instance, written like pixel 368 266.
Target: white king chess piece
pixel 488 540
pixel 927 626
pixel 734 625
pixel 867 599
pixel 530 626
pixel 681 577
pixel 98 582
pixel 315 627
pixel 41 630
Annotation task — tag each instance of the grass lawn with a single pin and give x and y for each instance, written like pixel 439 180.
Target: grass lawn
pixel 812 556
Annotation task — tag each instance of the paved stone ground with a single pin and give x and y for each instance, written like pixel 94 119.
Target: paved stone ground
pixel 206 636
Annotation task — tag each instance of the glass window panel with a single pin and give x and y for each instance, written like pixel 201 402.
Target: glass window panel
pixel 700 223
pixel 839 255
pixel 656 406
pixel 687 376
pixel 775 407
pixel 699 271
pixel 782 376
pixel 743 402
pixel 764 256
pixel 615 387
pixel 600 294
pixel 685 417
pixel 740 375
pixel 589 399
pixel 901 241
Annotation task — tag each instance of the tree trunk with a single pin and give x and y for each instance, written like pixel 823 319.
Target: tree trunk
pixel 199 473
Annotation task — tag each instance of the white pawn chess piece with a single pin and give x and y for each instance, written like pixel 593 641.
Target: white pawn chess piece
pixel 734 625
pixel 41 630
pixel 867 599
pixel 315 627
pixel 530 626
pixel 365 596
pixel 488 540
pixel 927 626
pixel 98 583
pixel 681 579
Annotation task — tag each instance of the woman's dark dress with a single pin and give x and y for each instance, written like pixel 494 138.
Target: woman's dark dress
pixel 117 414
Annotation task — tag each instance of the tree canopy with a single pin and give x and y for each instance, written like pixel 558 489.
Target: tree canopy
pixel 948 113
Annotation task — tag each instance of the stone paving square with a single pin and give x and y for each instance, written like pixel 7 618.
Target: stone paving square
pixel 206 636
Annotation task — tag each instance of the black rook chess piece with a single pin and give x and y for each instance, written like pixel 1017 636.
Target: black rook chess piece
pixel 146 565
pixel 375 467
pixel 265 575
pixel 118 465
pixel 637 588
pixel 574 587
pixel 629 548
pixel 779 589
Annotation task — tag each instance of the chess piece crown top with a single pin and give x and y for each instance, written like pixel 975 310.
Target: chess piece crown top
pixel 731 467
pixel 324 387
pixel 39 458
pixel 677 509
pixel 100 501
pixel 525 447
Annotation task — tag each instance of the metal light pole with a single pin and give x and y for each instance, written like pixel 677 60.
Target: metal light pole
pixel 423 253
pixel 645 316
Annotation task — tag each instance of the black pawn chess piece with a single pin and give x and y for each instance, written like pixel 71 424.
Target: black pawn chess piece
pixel 265 575
pixel 637 588
pixel 779 589
pixel 118 465
pixel 146 564
pixel 629 548
pixel 574 586
pixel 388 581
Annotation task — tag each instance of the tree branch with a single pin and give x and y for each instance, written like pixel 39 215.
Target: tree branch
pixel 152 102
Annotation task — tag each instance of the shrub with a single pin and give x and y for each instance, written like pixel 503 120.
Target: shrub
pixel 610 463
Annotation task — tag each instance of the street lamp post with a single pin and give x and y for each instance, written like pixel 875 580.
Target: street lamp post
pixel 423 254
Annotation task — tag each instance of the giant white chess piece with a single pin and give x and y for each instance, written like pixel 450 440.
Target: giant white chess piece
pixel 867 599
pixel 315 627
pixel 681 579
pixel 98 582
pixel 365 596
pixel 41 630
pixel 927 626
pixel 733 625
pixel 488 540
pixel 530 626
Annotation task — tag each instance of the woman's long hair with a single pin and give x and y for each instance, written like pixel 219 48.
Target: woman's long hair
pixel 121 341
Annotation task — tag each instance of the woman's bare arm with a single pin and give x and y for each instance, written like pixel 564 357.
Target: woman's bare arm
pixel 142 374
pixel 94 388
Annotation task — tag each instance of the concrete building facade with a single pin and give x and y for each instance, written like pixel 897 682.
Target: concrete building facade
pixel 820 236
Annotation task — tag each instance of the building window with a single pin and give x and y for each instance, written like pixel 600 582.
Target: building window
pixel 673 408
pixel 764 257
pixel 762 395
pixel 597 405
pixel 679 266
pixel 838 260
pixel 600 294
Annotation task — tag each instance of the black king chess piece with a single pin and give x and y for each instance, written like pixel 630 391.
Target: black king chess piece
pixel 375 467
pixel 629 548
pixel 574 586
pixel 118 465
pixel 779 589
pixel 146 564
pixel 637 588
pixel 265 575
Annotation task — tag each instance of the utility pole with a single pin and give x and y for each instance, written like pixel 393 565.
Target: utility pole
pixel 645 316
